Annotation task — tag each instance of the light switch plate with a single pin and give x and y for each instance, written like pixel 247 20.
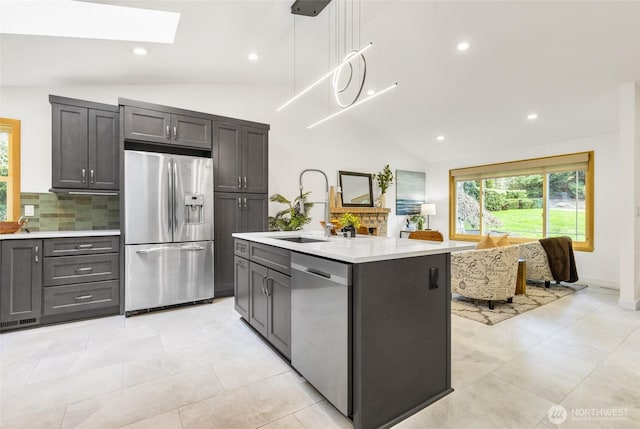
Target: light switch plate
pixel 28 210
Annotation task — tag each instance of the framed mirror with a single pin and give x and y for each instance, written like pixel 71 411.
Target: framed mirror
pixel 356 189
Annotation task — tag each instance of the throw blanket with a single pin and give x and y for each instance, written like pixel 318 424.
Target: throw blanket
pixel 561 262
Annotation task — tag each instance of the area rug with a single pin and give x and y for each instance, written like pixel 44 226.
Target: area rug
pixel 536 296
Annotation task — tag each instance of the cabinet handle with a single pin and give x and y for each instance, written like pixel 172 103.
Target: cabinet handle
pixel 92 175
pixel 175 132
pixel 241 263
pixel 264 292
pixel 167 132
pixel 245 203
pixel 83 297
pixel 268 292
pixel 239 203
pixel 245 182
pixel 84 175
pixel 239 182
pixel 433 278
pixel 36 254
pixel 84 246
pixel 84 269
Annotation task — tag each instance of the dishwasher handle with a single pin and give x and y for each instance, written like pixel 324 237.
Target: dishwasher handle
pixel 320 274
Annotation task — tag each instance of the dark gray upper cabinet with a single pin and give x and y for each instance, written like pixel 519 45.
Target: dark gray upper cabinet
pixel 20 283
pixel 85 145
pixel 147 125
pixel 164 127
pixel 241 158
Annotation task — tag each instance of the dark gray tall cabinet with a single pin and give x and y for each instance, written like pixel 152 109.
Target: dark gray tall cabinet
pixel 85 145
pixel 241 164
pixel 20 283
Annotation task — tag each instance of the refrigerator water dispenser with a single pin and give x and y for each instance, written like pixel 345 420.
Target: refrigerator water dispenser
pixel 193 208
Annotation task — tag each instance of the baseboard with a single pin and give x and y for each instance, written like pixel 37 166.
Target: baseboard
pixel 629 305
pixel 600 282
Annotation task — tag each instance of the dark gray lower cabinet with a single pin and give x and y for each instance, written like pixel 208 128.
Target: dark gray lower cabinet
pixel 258 301
pixel 21 283
pixel 235 212
pixel 37 286
pixel 84 284
pixel 279 312
pixel 262 294
pixel 401 338
pixel 241 290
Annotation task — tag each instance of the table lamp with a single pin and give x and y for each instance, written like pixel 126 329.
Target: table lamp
pixel 427 210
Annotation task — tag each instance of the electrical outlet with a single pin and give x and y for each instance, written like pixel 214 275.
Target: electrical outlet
pixel 28 210
pixel 637 211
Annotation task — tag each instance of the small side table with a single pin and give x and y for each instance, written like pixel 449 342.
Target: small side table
pixel 521 279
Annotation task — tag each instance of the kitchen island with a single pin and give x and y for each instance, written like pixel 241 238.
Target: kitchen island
pixel 366 320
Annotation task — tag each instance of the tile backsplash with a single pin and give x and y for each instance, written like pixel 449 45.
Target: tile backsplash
pixel 63 212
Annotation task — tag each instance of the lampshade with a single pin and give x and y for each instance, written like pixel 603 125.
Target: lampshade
pixel 428 209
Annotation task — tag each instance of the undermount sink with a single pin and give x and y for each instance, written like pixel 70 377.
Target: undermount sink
pixel 301 239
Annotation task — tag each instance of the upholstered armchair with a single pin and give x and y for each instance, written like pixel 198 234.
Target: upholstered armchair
pixel 537 262
pixel 487 274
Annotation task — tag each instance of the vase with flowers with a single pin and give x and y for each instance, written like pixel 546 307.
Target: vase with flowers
pixel 349 223
pixel 384 179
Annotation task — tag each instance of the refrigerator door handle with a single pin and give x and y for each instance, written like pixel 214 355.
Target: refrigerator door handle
pixel 170 200
pixel 197 248
pixel 165 248
pixel 175 200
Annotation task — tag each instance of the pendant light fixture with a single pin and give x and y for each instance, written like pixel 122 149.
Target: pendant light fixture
pixel 345 70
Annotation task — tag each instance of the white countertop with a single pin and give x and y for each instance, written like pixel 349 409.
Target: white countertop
pixel 59 234
pixel 362 248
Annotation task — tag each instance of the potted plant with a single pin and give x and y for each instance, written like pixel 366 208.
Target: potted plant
pixel 290 218
pixel 384 179
pixel 349 223
pixel 418 220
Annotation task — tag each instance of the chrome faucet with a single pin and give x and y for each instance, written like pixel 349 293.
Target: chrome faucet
pixel 327 216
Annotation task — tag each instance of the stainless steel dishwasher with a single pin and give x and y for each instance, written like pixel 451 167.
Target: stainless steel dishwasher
pixel 321 326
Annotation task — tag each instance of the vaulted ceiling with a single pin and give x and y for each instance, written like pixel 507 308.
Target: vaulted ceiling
pixel 563 60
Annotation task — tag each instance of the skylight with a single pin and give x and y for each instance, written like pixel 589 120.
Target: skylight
pixel 66 18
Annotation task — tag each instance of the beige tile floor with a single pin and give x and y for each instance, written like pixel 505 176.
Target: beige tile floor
pixel 201 367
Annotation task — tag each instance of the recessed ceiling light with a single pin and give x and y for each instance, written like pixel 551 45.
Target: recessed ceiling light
pixel 371 92
pixel 140 51
pixel 440 138
pixel 532 116
pixel 463 46
pixel 253 56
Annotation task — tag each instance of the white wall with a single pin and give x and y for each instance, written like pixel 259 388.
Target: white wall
pixel 629 208
pixel 339 144
pixel 600 266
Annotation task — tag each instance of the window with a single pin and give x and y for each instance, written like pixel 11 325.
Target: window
pixel 9 169
pixel 529 199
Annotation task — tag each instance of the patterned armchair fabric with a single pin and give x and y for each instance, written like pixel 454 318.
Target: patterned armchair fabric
pixel 485 274
pixel 537 261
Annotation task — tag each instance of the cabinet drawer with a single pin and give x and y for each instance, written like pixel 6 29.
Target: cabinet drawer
pixel 79 269
pixel 80 297
pixel 81 246
pixel 241 248
pixel 272 257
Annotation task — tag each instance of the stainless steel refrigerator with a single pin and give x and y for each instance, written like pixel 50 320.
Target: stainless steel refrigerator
pixel 168 226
